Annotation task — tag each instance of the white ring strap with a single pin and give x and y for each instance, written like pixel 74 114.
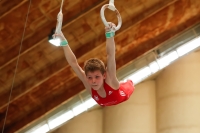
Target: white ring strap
pixel 111 7
pixel 59 19
pixel 61 5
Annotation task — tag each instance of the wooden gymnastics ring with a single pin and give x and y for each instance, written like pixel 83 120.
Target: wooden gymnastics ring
pixel 111 7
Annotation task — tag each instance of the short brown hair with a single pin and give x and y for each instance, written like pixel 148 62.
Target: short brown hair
pixel 94 64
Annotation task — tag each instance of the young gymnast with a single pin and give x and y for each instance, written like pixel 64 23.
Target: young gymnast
pixel 100 81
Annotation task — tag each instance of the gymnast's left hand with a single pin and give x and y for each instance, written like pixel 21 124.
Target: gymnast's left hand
pixel 111 27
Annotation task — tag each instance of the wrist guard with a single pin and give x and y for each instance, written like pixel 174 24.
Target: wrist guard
pixel 110 34
pixel 64 43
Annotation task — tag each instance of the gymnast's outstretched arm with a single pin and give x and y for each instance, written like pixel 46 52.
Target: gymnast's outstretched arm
pixel 111 63
pixel 71 59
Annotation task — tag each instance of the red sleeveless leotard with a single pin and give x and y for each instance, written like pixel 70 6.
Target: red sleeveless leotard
pixel 114 97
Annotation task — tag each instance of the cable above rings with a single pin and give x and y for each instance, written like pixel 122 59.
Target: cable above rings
pixel 16 67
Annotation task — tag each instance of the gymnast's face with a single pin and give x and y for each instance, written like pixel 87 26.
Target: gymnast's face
pixel 95 79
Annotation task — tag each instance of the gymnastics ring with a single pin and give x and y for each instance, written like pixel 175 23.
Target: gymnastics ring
pixel 111 7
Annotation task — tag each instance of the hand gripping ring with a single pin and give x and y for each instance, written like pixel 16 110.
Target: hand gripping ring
pixel 112 7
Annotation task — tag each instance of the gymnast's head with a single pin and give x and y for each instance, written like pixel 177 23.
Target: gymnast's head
pixel 94 64
pixel 95 72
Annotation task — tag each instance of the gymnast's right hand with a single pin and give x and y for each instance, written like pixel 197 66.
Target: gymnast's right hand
pixel 61 37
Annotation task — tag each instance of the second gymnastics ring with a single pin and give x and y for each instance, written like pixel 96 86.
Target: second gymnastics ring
pixel 111 7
